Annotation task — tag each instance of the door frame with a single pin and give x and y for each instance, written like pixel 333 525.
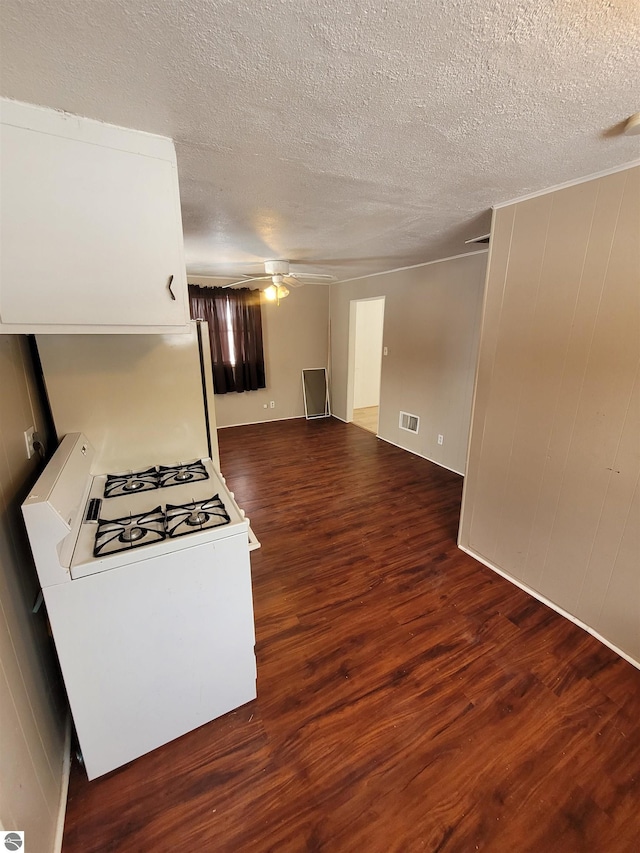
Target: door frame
pixel 351 359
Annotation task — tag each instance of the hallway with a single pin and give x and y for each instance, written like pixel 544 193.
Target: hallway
pixel 367 418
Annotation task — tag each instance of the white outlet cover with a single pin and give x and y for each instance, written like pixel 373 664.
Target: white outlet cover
pixel 28 440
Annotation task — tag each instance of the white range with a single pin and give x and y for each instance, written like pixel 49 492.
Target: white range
pixel 147 584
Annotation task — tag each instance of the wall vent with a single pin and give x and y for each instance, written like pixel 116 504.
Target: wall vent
pixel 409 422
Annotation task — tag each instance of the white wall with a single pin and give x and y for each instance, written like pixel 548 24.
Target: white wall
pixel 296 336
pixel 32 710
pixel 552 494
pixel 368 353
pixel 137 398
pixel 431 326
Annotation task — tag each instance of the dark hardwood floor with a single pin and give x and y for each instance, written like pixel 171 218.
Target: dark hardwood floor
pixel 409 699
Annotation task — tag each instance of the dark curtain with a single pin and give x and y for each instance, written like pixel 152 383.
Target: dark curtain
pixel 236 311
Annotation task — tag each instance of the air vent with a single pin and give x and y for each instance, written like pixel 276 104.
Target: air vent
pixel 409 422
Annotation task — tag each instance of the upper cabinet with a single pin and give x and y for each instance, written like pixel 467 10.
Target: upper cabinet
pixel 91 232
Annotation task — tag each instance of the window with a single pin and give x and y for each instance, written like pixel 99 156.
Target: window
pixel 235 333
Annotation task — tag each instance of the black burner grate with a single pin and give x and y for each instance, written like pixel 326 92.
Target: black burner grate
pixel 133 531
pixel 198 515
pixel 131 483
pixel 122 534
pixel 178 475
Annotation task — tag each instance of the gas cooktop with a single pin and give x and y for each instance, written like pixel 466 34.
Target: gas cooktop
pixel 133 531
pixel 139 514
pixel 130 483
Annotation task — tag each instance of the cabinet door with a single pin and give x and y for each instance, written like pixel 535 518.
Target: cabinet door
pixel 91 233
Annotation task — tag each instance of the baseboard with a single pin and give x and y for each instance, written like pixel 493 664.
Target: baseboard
pixel 255 423
pixel 551 604
pixel 400 447
pixel 64 787
pixel 421 455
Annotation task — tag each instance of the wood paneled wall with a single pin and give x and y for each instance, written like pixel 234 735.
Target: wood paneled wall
pixel 551 495
pixel 32 708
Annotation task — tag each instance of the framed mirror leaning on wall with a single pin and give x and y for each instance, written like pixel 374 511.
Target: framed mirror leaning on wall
pixel 315 390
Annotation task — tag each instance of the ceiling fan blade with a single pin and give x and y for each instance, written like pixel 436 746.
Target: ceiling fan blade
pixel 292 281
pixel 197 275
pixel 246 281
pixel 312 277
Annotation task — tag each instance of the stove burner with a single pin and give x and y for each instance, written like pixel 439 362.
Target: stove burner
pixel 198 515
pixel 196 519
pixel 117 485
pixel 132 534
pixel 133 486
pixel 134 531
pixel 175 475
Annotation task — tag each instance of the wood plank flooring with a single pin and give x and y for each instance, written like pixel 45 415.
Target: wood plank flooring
pixel 367 418
pixel 409 699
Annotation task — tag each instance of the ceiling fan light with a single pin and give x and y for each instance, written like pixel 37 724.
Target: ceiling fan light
pixel 275 292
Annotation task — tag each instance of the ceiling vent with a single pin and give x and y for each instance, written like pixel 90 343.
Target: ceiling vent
pixel 411 423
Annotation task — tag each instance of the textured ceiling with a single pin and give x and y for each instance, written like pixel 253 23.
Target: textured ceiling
pixel 353 136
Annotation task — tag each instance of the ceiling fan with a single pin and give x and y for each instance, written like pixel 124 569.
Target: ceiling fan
pixel 280 275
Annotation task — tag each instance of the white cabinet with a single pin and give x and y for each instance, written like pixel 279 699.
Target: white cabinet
pixel 90 227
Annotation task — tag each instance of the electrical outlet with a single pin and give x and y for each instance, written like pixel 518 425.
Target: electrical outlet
pixel 28 440
pixel 440 439
pixel 385 351
pixel 272 404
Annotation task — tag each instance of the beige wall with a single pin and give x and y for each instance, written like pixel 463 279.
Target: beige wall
pixel 431 323
pixel 551 495
pixel 137 398
pixel 32 713
pixel 296 335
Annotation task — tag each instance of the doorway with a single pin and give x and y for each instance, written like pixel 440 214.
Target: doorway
pixel 366 323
